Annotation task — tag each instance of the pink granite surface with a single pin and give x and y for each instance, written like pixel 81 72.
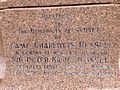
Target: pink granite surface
pixel 61 48
pixel 24 3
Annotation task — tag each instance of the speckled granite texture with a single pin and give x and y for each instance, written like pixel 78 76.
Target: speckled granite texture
pixel 54 2
pixel 23 3
pixel 61 48
pixel 3 4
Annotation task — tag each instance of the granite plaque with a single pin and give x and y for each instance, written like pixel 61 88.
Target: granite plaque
pixel 61 48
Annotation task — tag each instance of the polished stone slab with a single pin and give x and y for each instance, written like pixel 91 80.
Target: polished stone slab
pixel 61 48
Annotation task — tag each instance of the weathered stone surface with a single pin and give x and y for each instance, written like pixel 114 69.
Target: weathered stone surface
pixel 22 3
pixel 61 48
pixel 2 61
pixel 3 4
pixel 13 3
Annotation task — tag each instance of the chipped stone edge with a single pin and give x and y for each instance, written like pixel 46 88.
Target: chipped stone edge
pixel 2 68
pixel 2 60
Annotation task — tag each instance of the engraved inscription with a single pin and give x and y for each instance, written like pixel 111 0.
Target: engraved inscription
pixel 61 44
